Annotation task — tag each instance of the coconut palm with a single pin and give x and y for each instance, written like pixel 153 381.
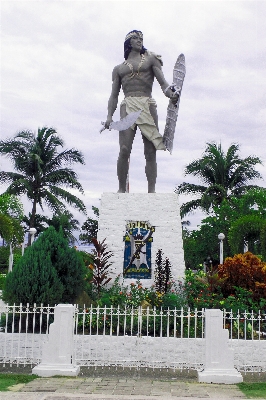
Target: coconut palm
pixel 67 223
pixel 223 174
pixel 42 172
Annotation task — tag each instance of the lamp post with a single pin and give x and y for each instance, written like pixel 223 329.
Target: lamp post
pixel 32 232
pixel 221 237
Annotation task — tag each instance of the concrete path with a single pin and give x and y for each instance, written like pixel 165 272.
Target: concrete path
pixel 123 384
pixel 111 388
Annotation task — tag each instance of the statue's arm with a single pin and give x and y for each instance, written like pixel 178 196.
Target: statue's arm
pixel 158 73
pixel 113 99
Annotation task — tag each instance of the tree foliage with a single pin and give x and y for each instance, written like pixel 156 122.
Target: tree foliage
pixel 240 219
pixel 67 223
pixel 11 214
pixel 90 228
pixel 49 272
pixel 223 175
pixel 11 205
pixel 42 172
pixel 247 229
pixel 203 243
pixel 40 223
pixel 63 220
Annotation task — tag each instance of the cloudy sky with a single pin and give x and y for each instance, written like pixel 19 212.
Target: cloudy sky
pixel 57 59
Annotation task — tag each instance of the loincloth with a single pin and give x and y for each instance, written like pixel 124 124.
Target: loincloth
pixel 145 121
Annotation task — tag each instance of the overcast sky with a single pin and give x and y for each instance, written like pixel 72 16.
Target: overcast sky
pixel 57 59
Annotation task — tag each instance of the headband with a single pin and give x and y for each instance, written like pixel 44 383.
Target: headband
pixel 131 34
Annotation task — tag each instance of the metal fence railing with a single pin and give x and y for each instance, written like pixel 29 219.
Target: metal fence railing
pixel 153 322
pixel 245 325
pixel 22 332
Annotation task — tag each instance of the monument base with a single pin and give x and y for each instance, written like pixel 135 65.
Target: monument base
pixel 160 210
pixel 220 376
pixel 45 370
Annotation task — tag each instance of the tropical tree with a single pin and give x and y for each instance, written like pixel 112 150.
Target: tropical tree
pixel 90 228
pixel 241 219
pixel 223 174
pixel 40 223
pixel 11 214
pixel 67 223
pixel 42 172
pixel 63 220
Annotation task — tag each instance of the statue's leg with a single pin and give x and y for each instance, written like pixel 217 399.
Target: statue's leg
pixel 150 155
pixel 125 142
pixel 151 165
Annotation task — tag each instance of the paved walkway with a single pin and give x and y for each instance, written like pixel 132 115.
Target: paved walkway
pixel 111 388
pixel 118 384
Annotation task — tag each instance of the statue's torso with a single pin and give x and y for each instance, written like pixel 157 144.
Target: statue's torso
pixel 137 77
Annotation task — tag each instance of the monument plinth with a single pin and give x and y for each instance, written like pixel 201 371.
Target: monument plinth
pixel 126 218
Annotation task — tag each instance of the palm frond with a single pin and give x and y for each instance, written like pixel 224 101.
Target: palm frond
pixel 189 188
pixel 62 177
pixel 69 198
pixel 189 207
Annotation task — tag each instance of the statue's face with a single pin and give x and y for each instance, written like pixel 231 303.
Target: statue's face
pixel 136 42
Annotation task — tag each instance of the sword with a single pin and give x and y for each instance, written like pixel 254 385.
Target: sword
pixel 124 123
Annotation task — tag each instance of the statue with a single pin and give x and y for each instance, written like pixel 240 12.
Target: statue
pixel 136 76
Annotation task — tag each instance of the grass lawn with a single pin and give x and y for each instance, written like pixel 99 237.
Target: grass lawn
pixel 253 390
pixel 7 380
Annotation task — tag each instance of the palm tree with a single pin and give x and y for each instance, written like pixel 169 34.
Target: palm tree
pixel 67 223
pixel 223 175
pixel 42 173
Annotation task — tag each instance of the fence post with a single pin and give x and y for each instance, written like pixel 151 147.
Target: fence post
pixel 219 358
pixel 57 353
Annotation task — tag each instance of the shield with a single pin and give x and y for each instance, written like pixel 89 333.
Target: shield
pixel 172 109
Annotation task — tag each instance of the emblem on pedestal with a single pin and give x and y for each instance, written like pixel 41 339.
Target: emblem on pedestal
pixel 137 254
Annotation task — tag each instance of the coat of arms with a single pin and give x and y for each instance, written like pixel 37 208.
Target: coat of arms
pixel 137 254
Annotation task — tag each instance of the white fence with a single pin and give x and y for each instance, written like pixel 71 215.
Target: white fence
pixel 23 331
pixel 150 338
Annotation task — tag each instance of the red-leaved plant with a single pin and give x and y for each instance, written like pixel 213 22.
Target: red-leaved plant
pixel 100 265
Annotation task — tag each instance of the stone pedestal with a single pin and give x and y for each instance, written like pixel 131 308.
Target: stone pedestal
pixel 57 353
pixel 160 210
pixel 219 358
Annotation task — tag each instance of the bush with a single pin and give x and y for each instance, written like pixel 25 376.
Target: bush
pixel 4 256
pixel 33 280
pixel 246 271
pixel 238 284
pixel 50 272
pixel 2 281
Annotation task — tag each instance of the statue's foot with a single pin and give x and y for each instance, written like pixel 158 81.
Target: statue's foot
pixel 121 191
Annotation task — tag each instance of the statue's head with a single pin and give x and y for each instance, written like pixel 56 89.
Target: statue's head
pixel 127 45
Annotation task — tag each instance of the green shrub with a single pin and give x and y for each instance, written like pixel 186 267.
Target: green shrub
pixel 173 300
pixel 50 272
pixel 2 281
pixel 4 255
